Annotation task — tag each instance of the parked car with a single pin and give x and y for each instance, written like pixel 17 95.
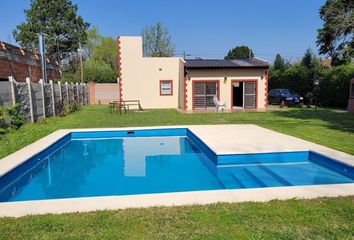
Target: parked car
pixel 285 97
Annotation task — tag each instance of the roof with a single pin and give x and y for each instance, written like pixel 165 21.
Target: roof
pixel 221 63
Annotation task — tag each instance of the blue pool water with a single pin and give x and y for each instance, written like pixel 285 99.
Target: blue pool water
pixel 139 162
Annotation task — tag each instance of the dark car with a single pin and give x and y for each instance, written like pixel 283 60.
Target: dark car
pixel 284 97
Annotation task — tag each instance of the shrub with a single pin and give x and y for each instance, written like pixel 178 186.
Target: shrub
pixel 65 108
pixel 334 86
pixel 10 118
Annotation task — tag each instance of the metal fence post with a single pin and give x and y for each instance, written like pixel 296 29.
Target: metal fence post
pixel 12 85
pixel 43 97
pixel 28 81
pixel 53 97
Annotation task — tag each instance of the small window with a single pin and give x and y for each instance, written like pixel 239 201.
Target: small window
pixel 166 88
pixel 352 92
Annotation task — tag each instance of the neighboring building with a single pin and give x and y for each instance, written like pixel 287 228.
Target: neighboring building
pixel 22 64
pixel 171 82
pixel 351 96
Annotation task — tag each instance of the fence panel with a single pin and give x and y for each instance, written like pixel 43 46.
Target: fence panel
pixel 37 101
pixel 22 98
pixel 39 96
pixel 57 97
pixel 5 94
pixel 48 99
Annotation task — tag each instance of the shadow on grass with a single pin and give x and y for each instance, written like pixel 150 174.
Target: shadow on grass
pixel 334 119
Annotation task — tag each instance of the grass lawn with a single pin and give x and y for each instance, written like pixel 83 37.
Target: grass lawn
pixel 306 219
pixel 294 219
pixel 331 128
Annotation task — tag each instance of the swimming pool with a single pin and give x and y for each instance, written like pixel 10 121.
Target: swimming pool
pixel 129 162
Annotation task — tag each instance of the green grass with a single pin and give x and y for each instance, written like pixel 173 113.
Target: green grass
pixel 327 218
pixel 328 127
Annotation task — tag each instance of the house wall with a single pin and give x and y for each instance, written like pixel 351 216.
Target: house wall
pixel 140 76
pixel 226 87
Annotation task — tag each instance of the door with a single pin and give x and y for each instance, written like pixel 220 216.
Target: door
pixel 237 100
pixel 203 93
pixel 244 94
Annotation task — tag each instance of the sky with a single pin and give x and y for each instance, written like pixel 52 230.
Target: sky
pixel 201 28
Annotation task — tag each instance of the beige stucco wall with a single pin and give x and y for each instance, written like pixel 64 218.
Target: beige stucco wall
pixel 140 76
pixel 225 87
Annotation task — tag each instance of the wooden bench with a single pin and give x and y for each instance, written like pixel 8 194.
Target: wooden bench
pixel 128 103
pixel 118 106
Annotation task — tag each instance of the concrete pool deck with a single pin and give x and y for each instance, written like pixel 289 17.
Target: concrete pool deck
pixel 222 139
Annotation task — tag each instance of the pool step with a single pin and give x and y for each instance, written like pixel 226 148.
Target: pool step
pixel 246 178
pixel 258 176
pixel 228 181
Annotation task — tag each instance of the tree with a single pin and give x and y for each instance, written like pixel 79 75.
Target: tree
pixel 240 52
pixel 309 60
pixel 335 38
pixel 59 21
pixel 102 49
pixel 101 63
pixel 157 41
pixel 279 62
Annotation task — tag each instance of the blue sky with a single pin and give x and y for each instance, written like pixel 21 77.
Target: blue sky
pixel 205 28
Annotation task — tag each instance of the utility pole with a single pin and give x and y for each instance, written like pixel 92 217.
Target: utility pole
pixel 80 51
pixel 186 55
pixel 43 57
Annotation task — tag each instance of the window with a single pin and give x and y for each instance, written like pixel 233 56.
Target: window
pixel 203 94
pixel 352 92
pixel 166 88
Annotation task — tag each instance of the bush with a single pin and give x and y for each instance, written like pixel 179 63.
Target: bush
pixel 65 108
pixel 10 118
pixel 334 82
pixel 334 86
pixel 99 72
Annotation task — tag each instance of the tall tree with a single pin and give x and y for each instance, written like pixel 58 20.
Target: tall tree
pixel 59 21
pixel 240 52
pixel 279 62
pixel 157 41
pixel 335 38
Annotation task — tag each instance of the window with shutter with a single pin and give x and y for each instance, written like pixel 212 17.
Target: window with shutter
pixel 250 95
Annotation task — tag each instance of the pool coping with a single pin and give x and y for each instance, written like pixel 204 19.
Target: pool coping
pixel 21 208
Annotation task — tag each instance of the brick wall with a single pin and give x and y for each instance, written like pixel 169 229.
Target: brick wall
pixel 21 64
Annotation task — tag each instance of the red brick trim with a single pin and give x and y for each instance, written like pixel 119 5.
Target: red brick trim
pixel 170 81
pixel 119 60
pixel 243 80
pixel 266 90
pixel 205 81
pixel 185 93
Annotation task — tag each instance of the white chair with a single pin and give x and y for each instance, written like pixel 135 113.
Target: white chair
pixel 219 105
